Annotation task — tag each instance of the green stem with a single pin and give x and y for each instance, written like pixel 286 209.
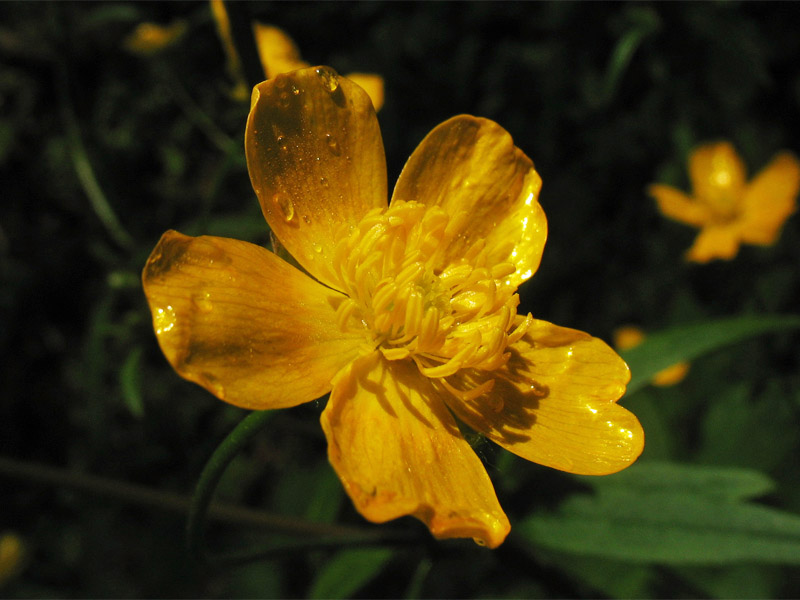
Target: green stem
pixel 251 425
pixel 83 166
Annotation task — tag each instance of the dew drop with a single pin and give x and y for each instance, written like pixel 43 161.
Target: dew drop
pixel 317 248
pixel 333 145
pixel 329 79
pixel 283 99
pixel 164 319
pixel 323 182
pixel 295 91
pixel 284 205
pixel 307 219
pixel 203 302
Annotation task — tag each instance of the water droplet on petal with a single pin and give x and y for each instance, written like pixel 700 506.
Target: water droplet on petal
pixel 333 145
pixel 329 79
pixel 164 319
pixel 323 182
pixel 307 219
pixel 295 91
pixel 317 248
pixel 284 205
pixel 203 302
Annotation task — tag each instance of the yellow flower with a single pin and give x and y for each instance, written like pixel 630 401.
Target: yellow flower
pixel 727 209
pixel 629 337
pixel 12 557
pixel 279 54
pixel 406 315
pixel 150 38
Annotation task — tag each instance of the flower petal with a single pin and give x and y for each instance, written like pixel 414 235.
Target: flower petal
pixel 315 157
pixel 718 176
pixel 678 206
pixel 234 318
pixel 277 51
pixel 715 241
pixel 554 403
pixel 372 84
pixel 769 200
pixel 398 451
pixel 471 168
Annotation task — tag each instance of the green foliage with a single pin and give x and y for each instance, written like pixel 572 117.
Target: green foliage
pixel 102 150
pixel 672 515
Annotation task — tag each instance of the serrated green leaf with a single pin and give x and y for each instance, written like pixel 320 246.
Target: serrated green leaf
pixel 680 521
pixel 348 571
pixel 665 348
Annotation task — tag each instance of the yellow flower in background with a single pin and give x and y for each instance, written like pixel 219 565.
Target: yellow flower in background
pixel 729 210
pixel 406 313
pixel 278 54
pixel 12 557
pixel 628 337
pixel 151 38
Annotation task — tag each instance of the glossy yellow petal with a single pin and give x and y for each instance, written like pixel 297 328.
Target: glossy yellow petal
pixel 398 451
pixel 315 157
pixel 372 84
pixel 769 200
pixel 471 168
pixel 277 51
pixel 678 206
pixel 718 177
pixel 715 241
pixel 236 319
pixel 554 403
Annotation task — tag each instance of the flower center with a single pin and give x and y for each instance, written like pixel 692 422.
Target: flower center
pixel 414 301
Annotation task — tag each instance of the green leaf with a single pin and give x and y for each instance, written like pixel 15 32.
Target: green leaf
pixel 665 348
pixel 348 571
pixel 130 382
pixel 721 483
pixel 694 515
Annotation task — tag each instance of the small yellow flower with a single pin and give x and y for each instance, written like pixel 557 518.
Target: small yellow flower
pixel 407 314
pixel 279 54
pixel 12 557
pixel 727 209
pixel 629 337
pixel 150 38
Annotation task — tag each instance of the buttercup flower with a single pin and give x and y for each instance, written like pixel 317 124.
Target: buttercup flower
pixel 628 337
pixel 728 209
pixel 279 54
pixel 406 313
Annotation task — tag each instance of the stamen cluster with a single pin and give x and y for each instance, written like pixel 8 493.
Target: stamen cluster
pixel 412 302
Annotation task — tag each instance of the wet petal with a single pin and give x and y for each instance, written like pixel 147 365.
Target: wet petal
pixel 678 206
pixel 718 176
pixel 236 319
pixel 769 200
pixel 277 51
pixel 398 451
pixel 555 403
pixel 715 241
pixel 315 157
pixel 471 168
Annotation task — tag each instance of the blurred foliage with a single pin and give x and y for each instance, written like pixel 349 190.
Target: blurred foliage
pixel 102 149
